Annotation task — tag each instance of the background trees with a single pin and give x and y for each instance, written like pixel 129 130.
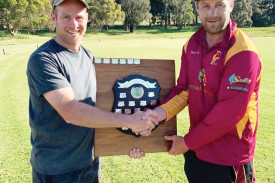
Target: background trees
pixel 242 12
pixel 263 13
pixel 104 13
pixel 135 12
pixel 25 14
pixel 183 11
pixel 32 15
pixel 11 14
pixel 37 16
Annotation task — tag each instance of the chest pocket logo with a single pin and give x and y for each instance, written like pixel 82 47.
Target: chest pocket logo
pixel 215 58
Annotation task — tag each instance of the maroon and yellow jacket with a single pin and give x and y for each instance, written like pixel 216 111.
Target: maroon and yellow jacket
pixel 220 86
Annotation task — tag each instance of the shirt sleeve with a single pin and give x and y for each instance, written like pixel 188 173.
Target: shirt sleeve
pixel 177 100
pixel 241 78
pixel 45 73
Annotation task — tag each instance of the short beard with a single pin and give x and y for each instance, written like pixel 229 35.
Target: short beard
pixel 217 31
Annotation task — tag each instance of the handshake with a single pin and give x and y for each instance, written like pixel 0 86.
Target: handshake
pixel 142 123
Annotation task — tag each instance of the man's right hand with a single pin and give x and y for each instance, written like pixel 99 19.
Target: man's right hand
pixel 155 116
pixel 140 123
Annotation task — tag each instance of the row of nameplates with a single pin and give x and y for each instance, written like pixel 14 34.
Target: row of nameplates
pixel 117 61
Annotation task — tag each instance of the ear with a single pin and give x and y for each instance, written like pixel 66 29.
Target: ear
pixel 53 17
pixel 87 16
pixel 231 4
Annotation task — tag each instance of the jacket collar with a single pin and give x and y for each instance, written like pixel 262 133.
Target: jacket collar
pixel 200 35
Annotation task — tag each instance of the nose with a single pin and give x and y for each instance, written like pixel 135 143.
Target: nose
pixel 74 22
pixel 213 11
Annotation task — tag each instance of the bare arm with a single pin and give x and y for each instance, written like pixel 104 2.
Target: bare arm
pixel 80 114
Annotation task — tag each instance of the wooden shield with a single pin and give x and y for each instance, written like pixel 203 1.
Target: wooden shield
pixel 110 141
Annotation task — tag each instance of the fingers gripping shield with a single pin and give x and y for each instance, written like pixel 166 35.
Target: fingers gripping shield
pixel 135 93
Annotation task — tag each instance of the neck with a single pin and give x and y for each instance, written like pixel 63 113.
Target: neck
pixel 68 46
pixel 213 39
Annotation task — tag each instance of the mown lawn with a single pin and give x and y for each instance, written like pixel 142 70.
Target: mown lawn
pixel 145 43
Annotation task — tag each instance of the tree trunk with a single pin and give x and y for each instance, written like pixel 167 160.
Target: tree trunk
pixel 13 31
pixel 131 28
pixel 196 18
pixel 166 16
pixel 126 27
pixel 166 22
pixel 106 27
pixel 169 19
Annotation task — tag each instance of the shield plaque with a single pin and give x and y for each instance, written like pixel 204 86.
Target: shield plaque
pixel 135 93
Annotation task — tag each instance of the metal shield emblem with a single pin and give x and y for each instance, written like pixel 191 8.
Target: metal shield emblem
pixel 135 93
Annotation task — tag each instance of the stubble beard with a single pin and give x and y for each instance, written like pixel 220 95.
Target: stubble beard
pixel 215 29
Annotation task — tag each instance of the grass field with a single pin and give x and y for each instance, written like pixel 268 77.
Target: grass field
pixel 158 167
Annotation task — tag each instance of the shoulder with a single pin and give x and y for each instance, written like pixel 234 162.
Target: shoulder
pixel 193 42
pixel 242 43
pixel 88 53
pixel 45 53
pixel 44 50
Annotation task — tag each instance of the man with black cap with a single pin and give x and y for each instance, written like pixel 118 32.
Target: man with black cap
pixel 62 83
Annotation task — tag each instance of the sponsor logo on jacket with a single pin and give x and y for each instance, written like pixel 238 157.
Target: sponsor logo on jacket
pixel 215 58
pixel 238 80
pixel 238 83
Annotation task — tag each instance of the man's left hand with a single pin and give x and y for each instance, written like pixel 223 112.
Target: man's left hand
pixel 178 145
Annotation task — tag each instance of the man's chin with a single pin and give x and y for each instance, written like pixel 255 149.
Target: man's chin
pixel 214 30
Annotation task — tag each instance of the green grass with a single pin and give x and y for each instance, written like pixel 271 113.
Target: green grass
pixel 157 167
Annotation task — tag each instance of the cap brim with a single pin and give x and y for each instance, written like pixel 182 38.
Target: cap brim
pixel 82 1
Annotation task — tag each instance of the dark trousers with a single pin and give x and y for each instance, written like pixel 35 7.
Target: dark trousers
pixel 90 174
pixel 198 171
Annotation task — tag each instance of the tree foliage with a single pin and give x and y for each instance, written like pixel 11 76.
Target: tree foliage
pixel 135 12
pixel 104 13
pixel 183 11
pixel 157 11
pixel 263 13
pixel 28 14
pixel 242 12
pixel 37 15
pixel 11 14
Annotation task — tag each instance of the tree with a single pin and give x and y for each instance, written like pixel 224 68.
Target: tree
pixel 157 10
pixel 263 13
pixel 242 12
pixel 37 15
pixel 167 4
pixel 12 14
pixel 27 14
pixel 135 12
pixel 183 12
pixel 104 13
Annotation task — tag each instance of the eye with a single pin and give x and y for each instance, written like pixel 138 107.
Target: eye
pixel 66 17
pixel 220 5
pixel 79 18
pixel 205 6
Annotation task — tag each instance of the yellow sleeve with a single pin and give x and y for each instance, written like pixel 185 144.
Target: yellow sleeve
pixel 175 105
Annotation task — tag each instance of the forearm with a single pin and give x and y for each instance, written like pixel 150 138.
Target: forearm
pixel 81 114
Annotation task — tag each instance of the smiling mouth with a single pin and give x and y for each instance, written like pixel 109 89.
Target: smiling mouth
pixel 73 32
pixel 213 21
